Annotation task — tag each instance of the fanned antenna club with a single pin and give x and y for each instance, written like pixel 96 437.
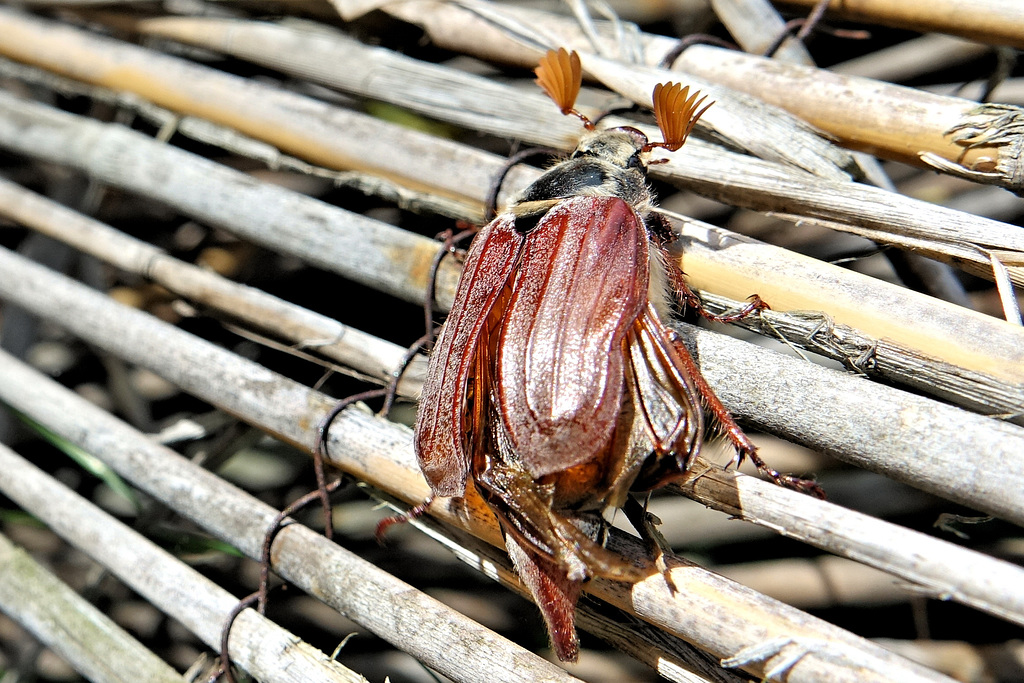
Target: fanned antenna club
pixel 560 75
pixel 676 112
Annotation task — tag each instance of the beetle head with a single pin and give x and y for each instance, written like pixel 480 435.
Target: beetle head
pixel 606 162
pixel 624 147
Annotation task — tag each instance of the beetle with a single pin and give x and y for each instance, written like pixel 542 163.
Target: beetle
pixel 555 388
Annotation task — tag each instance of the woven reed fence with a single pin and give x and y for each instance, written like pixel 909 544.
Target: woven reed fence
pixel 218 218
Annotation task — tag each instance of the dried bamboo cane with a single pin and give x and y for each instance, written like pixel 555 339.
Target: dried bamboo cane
pixel 888 359
pixel 347 244
pixel 69 624
pixel 343 241
pixel 819 582
pixel 710 170
pixel 967 662
pixel 231 141
pixel 909 59
pixel 261 647
pixel 635 635
pixel 470 100
pixel 368 595
pixel 1000 132
pixel 881 358
pixel 294 124
pixel 367 354
pixel 444 94
pixel 754 24
pixel 379 359
pixel 997 22
pixel 361 591
pixel 891 121
pixel 770 320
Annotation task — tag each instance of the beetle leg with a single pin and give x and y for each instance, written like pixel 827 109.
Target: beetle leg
pixel 645 524
pixel 664 392
pixel 689 298
pixel 554 550
pixel 745 448
pixel 407 516
pixel 662 236
pixel 526 509
pixel 552 554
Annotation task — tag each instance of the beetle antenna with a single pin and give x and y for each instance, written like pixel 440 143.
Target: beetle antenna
pixel 676 111
pixel 560 75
